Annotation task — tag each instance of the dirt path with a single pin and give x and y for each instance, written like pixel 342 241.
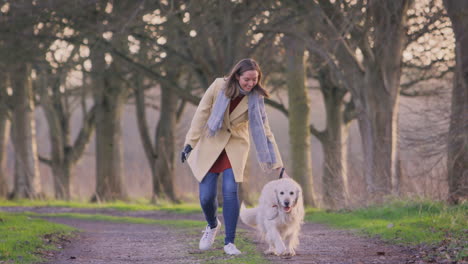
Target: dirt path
pixel 322 245
pixel 106 242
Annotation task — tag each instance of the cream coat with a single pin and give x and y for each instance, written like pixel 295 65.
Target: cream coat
pixel 233 136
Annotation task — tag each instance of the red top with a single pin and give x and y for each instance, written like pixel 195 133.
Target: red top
pixel 222 162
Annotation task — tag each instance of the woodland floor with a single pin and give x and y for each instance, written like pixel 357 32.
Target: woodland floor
pixel 110 242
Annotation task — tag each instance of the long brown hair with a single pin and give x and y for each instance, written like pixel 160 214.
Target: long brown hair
pixel 241 67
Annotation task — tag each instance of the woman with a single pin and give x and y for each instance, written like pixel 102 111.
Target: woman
pixel 220 139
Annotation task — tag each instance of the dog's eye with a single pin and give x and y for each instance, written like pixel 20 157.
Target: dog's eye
pixel 291 193
pixel 281 193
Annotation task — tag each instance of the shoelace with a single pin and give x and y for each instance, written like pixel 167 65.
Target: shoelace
pixel 205 233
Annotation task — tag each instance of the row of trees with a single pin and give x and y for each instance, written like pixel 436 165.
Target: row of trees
pixel 97 55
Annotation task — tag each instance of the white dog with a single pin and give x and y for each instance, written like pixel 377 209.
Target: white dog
pixel 278 217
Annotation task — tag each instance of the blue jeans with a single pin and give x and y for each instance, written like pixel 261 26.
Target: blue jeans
pixel 209 203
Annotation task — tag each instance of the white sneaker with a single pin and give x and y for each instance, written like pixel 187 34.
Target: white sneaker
pixel 209 236
pixel 231 249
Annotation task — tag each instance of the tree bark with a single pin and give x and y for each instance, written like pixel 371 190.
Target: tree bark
pixel 334 144
pixel 379 96
pixel 27 178
pixel 165 142
pixel 4 136
pixel 299 117
pixel 378 129
pixel 457 146
pixel 148 146
pixel 109 98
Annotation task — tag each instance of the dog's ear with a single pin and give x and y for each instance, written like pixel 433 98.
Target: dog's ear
pixel 298 195
pixel 273 210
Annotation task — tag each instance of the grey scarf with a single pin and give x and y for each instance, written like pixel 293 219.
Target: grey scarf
pixel 257 117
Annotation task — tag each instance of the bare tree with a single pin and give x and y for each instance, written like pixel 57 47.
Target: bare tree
pixel 64 153
pixel 376 30
pixel 457 147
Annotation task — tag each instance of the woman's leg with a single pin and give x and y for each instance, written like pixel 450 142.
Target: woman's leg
pixel 208 201
pixel 230 205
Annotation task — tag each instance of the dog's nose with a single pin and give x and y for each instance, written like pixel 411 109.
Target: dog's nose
pixel 286 203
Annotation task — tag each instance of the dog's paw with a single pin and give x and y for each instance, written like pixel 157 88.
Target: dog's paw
pixel 281 252
pixel 269 252
pixel 290 252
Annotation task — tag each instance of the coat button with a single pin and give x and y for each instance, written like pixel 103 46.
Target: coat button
pixel 229 130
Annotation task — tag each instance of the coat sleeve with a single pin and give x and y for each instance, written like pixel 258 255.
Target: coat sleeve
pixel 271 138
pixel 201 117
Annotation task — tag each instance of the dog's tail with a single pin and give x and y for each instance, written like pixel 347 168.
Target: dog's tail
pixel 248 215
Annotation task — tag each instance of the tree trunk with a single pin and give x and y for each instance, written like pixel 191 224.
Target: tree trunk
pixel 61 169
pixel 62 176
pixel 148 147
pixel 27 178
pixel 335 181
pixel 379 98
pixel 378 129
pixel 109 161
pixel 165 142
pixel 457 147
pixel 59 136
pixel 4 136
pixel 109 101
pixel 299 117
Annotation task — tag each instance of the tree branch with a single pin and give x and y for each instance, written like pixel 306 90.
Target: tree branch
pixel 84 136
pixel 320 135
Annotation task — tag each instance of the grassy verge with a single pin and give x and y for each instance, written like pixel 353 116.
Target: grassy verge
pixel 139 205
pixel 23 237
pixel 405 222
pixel 125 219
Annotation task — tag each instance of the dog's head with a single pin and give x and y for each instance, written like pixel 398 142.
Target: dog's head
pixel 288 194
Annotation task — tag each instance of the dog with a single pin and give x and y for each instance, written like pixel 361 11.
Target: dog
pixel 278 216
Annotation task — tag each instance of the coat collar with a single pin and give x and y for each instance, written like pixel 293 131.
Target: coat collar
pixel 239 110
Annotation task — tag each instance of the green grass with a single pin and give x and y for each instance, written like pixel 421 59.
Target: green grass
pixel 404 222
pixel 139 205
pixel 125 219
pixel 22 236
